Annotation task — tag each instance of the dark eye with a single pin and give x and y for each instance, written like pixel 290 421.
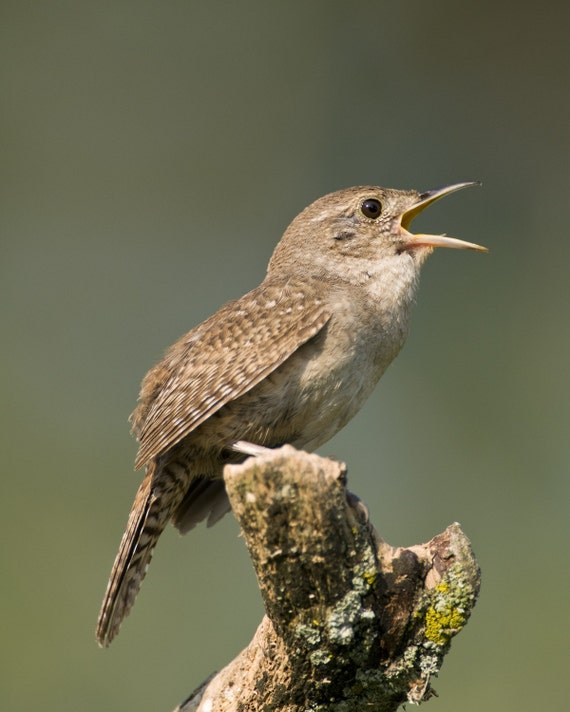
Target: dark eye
pixel 371 208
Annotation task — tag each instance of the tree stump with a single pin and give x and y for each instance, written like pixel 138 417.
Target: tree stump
pixel 351 622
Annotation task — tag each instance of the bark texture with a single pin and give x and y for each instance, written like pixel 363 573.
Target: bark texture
pixel 352 623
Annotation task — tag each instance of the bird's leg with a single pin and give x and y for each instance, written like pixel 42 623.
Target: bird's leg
pixel 358 505
pixel 246 448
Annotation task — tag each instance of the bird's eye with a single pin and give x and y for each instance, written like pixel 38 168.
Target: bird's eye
pixel 371 208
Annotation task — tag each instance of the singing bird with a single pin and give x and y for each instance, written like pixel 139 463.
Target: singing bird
pixel 290 362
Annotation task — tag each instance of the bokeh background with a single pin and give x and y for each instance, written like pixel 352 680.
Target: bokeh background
pixel 152 154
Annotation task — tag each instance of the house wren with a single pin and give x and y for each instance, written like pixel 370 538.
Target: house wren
pixel 290 362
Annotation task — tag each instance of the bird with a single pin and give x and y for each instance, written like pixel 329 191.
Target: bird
pixel 290 362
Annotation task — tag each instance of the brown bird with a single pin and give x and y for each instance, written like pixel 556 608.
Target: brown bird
pixel 290 362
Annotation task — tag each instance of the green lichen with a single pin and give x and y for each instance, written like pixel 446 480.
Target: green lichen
pixel 309 633
pixel 341 619
pixel 320 657
pixel 442 612
pixel 446 608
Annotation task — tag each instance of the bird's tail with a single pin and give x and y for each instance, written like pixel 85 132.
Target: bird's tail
pixel 160 493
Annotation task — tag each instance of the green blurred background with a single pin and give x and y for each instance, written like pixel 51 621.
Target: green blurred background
pixel 152 154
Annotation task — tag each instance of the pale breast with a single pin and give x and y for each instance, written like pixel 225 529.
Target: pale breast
pixel 320 387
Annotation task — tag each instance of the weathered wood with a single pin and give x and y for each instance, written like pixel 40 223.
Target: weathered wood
pixel 352 623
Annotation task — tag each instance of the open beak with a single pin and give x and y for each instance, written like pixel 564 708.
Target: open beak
pixel 427 198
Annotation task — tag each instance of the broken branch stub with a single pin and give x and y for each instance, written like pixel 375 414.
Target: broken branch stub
pixel 352 623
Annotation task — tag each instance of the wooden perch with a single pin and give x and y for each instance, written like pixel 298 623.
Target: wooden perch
pixel 352 623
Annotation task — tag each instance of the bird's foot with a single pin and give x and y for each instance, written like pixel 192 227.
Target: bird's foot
pixel 358 505
pixel 246 448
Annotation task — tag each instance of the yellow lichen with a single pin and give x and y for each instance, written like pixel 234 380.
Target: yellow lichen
pixel 447 607
pixel 440 625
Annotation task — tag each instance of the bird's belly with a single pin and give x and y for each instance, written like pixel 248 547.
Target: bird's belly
pixel 306 400
pixel 332 394
pixel 311 396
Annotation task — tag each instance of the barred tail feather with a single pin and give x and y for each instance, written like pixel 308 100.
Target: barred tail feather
pixel 159 494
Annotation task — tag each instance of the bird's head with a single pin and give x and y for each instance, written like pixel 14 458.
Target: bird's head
pixel 353 231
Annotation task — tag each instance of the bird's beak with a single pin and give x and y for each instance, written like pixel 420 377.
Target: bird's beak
pixel 411 241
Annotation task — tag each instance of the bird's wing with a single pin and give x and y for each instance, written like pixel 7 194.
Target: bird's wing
pixel 221 359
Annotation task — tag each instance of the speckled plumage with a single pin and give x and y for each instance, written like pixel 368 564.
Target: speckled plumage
pixel 290 362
